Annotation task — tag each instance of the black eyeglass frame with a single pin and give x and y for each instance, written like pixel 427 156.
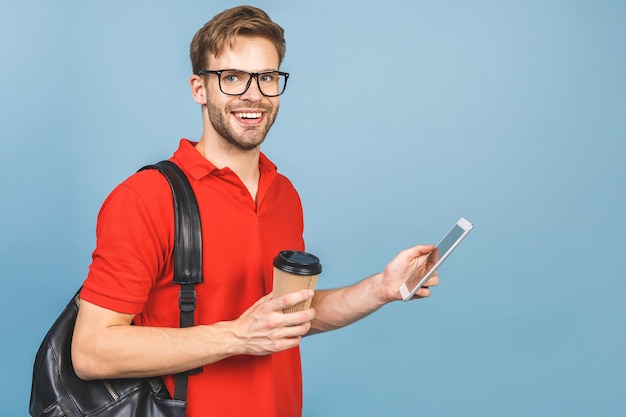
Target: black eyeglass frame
pixel 252 75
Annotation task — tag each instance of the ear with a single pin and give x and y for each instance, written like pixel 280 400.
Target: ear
pixel 198 90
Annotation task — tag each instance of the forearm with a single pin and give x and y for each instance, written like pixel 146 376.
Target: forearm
pixel 106 345
pixel 343 306
pixel 340 307
pixel 126 351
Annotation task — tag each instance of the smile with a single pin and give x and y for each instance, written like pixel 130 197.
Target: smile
pixel 254 115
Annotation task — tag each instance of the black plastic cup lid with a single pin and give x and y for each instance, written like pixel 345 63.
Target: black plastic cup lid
pixel 297 262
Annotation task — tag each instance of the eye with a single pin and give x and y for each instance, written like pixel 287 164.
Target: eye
pixel 233 76
pixel 268 77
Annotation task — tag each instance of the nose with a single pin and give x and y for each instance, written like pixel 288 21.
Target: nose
pixel 253 93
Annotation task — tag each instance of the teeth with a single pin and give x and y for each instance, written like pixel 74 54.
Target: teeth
pixel 248 115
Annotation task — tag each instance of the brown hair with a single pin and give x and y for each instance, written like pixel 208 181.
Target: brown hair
pixel 221 31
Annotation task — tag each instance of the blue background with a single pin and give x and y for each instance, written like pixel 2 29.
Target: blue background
pixel 400 117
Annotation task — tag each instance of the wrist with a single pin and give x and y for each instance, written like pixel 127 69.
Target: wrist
pixel 379 291
pixel 221 341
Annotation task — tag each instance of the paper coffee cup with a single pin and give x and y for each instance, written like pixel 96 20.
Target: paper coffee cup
pixel 295 271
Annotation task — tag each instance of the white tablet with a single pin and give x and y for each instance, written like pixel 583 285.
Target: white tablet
pixel 444 248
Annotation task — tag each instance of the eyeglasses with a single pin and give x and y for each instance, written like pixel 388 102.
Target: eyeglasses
pixel 236 82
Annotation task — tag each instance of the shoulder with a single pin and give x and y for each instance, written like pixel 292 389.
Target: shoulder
pixel 147 187
pixel 287 186
pixel 145 194
pixel 285 182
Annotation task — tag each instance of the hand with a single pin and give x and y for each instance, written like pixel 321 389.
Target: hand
pixel 264 328
pixel 407 262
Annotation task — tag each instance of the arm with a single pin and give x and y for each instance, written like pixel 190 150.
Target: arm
pixel 340 307
pixel 134 242
pixel 105 345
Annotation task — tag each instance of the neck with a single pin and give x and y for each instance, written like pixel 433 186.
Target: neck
pixel 244 163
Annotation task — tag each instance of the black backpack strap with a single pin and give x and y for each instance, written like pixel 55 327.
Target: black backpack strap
pixel 187 252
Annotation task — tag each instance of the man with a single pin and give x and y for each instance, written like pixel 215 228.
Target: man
pixel 248 349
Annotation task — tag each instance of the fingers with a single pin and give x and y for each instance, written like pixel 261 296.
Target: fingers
pixel 265 329
pixel 290 331
pixel 277 331
pixel 425 290
pixel 291 299
pixel 419 250
pixel 432 281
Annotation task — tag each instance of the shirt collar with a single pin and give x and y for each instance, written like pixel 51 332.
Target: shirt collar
pixel 198 166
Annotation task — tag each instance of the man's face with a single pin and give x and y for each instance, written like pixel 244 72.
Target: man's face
pixel 242 121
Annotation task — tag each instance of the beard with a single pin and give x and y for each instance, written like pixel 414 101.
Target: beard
pixel 249 137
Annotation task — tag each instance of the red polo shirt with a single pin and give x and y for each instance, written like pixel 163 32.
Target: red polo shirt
pixel 132 271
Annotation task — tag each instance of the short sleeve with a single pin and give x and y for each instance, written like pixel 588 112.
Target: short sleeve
pixel 134 242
